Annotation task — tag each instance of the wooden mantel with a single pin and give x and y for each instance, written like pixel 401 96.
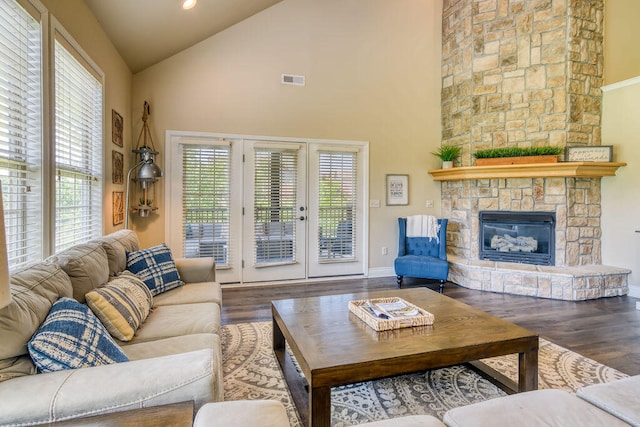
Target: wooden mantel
pixel 537 170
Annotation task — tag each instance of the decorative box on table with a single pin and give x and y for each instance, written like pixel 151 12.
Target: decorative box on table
pixel 383 314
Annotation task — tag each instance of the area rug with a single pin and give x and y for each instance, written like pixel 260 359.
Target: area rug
pixel 252 372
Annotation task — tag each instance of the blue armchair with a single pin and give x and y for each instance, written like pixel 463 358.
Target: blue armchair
pixel 422 257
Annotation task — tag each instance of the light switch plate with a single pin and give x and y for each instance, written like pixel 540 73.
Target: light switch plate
pixel 374 203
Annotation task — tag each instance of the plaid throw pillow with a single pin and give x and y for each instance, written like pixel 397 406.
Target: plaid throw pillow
pixel 155 267
pixel 121 305
pixel 72 337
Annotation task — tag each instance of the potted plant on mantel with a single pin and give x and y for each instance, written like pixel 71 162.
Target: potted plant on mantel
pixel 517 155
pixel 448 153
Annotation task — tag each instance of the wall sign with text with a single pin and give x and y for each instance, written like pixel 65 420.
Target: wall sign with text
pixel 397 190
pixel 597 153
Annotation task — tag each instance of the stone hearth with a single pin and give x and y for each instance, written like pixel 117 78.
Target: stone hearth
pixel 525 73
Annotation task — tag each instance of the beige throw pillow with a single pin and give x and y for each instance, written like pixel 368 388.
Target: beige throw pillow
pixel 121 305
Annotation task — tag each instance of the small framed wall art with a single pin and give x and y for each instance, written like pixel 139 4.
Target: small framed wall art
pixel 397 190
pixel 117 167
pixel 594 153
pixel 118 207
pixel 117 126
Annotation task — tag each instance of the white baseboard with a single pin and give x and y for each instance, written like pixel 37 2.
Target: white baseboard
pixel 382 272
pixel 634 291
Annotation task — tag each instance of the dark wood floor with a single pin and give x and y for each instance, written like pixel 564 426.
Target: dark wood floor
pixel 606 330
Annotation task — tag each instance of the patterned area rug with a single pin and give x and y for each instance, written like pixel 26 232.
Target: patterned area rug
pixel 252 372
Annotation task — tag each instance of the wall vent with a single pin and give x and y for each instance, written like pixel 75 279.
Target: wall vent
pixel 290 79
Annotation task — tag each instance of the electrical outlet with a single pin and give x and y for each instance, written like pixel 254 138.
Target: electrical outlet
pixel 637 305
pixel 385 250
pixel 374 203
pixel 429 203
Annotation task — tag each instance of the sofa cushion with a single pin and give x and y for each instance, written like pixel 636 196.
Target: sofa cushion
pixel 175 320
pixel 72 337
pixel 116 245
pixel 172 345
pixel 34 289
pixel 87 266
pixel 191 293
pixel 122 305
pixel 155 267
pixel 15 367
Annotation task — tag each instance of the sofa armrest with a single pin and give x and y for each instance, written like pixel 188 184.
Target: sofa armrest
pixel 76 393
pixel 194 270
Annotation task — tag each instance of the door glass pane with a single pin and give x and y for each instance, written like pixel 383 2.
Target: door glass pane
pixel 336 205
pixel 206 194
pixel 275 205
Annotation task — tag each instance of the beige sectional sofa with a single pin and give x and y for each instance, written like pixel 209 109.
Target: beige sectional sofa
pixel 174 356
pixel 604 405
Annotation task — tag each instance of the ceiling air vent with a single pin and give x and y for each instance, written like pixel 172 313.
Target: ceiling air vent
pixel 290 79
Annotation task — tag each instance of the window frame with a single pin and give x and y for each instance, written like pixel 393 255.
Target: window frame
pixel 44 168
pixel 60 34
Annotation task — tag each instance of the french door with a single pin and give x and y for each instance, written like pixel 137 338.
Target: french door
pixel 267 209
pixel 274 246
pixel 336 195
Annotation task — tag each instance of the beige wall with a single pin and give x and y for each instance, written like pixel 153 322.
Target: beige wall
pixel 622 56
pixel 79 21
pixel 620 195
pixel 621 128
pixel 373 74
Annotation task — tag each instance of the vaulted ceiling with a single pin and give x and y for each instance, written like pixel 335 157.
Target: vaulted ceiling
pixel 147 31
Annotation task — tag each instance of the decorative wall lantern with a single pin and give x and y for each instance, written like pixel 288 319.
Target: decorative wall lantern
pixel 147 174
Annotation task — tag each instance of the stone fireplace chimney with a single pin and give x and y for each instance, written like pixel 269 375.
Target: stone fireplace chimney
pixel 525 73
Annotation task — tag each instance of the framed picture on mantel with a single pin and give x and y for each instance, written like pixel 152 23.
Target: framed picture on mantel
pixel 595 153
pixel 397 190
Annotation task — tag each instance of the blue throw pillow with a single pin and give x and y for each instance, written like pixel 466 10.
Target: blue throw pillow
pixel 155 267
pixel 71 337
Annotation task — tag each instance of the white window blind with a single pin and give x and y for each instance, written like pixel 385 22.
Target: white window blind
pixel 206 195
pixel 78 150
pixel 336 205
pixel 275 199
pixel 20 132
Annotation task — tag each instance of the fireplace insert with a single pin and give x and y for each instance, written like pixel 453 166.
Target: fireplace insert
pixel 524 237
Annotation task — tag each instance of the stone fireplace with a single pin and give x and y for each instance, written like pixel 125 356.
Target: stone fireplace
pixel 525 73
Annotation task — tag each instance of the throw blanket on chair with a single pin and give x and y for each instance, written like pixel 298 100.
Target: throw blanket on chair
pixel 423 226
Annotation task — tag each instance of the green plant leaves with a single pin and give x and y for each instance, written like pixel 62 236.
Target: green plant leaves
pixel 517 152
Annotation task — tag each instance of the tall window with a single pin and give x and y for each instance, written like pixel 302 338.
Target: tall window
pixel 78 149
pixel 206 195
pixel 21 131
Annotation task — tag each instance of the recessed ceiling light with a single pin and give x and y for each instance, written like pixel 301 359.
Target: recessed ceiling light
pixel 188 4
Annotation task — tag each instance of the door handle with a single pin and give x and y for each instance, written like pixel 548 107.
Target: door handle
pixel 302 218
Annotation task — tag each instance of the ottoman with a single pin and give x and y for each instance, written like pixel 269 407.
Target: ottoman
pixel 234 413
pixel 409 421
pixel 620 398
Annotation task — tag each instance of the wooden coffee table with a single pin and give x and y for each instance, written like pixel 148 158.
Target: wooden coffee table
pixel 334 347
